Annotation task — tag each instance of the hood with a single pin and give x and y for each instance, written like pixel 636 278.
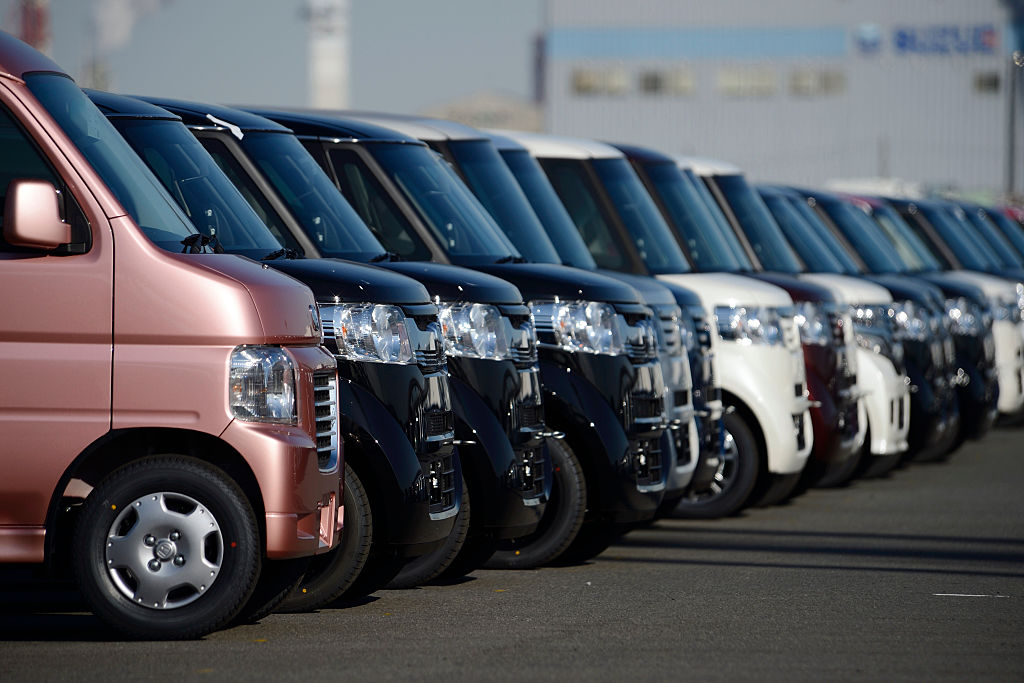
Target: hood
pixel 851 290
pixel 652 292
pixel 455 283
pixel 902 287
pixel 952 286
pixel 352 282
pixel 799 290
pixel 727 289
pixel 545 281
pixel 995 287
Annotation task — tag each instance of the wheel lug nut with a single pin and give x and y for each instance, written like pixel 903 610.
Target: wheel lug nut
pixel 149 540
pixel 175 535
pixel 154 565
pixel 179 561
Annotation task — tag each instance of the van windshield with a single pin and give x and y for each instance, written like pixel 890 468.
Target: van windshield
pixel 953 228
pixel 107 152
pixel 311 196
pixel 801 235
pixel 459 223
pixel 201 189
pixel 757 223
pixel 636 209
pixel 549 208
pixel 691 219
pixel 905 244
pixel 497 189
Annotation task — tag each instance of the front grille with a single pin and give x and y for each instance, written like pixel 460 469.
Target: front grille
pixel 681 440
pixel 530 416
pixel 798 427
pixel 798 389
pixel 430 360
pixel 647 463
pixel 327 325
pixel 325 407
pixel 527 356
pixel 437 423
pixel 440 476
pixel 528 472
pixel 642 409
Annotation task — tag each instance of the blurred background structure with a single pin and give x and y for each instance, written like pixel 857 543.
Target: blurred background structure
pixel 796 91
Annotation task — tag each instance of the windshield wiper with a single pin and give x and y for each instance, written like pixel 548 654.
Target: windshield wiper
pixel 195 243
pixel 511 259
pixel 385 256
pixel 281 253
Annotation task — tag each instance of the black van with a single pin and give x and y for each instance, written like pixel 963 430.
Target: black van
pixel 603 384
pixel 487 331
pixel 379 323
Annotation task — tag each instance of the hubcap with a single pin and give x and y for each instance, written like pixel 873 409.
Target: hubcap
pixel 164 550
pixel 724 477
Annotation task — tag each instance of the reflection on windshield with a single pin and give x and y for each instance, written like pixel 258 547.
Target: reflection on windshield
pixel 496 188
pixel 909 248
pixel 201 189
pixel 1010 228
pixel 690 218
pixel 863 235
pixel 457 220
pixel 800 235
pixel 312 198
pixel 996 246
pixel 558 225
pixel 106 151
pixel 824 234
pixel 651 234
pixel 757 223
pixel 959 235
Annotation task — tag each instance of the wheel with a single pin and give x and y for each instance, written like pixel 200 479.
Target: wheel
pixel 428 567
pixel 592 540
pixel 331 574
pixel 874 466
pixel 775 489
pixel 735 479
pixel 167 548
pixel 840 474
pixel 562 520
pixel 278 579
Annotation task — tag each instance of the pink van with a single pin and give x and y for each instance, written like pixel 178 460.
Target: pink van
pixel 168 418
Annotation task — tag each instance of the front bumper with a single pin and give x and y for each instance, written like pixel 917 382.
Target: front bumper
pixel 886 398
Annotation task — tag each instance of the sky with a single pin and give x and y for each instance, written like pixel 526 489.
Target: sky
pixel 406 55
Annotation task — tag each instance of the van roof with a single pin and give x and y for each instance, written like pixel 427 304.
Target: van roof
pixel 18 58
pixel 561 147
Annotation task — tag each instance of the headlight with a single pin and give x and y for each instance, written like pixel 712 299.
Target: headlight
pixel 372 333
pixel 261 384
pixel 813 323
pixel 687 334
pixel 1007 311
pixel 965 317
pixel 473 330
pixel 911 322
pixel 754 325
pixel 581 326
pixel 881 344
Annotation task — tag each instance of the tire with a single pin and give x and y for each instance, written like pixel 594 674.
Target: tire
pixel 562 520
pixel 330 575
pixel 277 580
pixel 776 489
pixel 875 466
pixel 140 522
pixel 592 540
pixel 428 567
pixel 840 474
pixel 734 482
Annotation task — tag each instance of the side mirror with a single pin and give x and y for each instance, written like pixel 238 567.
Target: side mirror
pixel 32 216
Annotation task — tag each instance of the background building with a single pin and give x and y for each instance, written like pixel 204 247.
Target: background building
pixel 798 91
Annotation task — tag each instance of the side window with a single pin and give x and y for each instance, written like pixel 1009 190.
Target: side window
pixel 21 159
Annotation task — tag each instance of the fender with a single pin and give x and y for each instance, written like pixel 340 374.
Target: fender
pixel 377 447
pixel 573 405
pixel 487 456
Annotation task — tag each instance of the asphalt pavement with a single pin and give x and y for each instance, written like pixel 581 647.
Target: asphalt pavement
pixel 917 576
